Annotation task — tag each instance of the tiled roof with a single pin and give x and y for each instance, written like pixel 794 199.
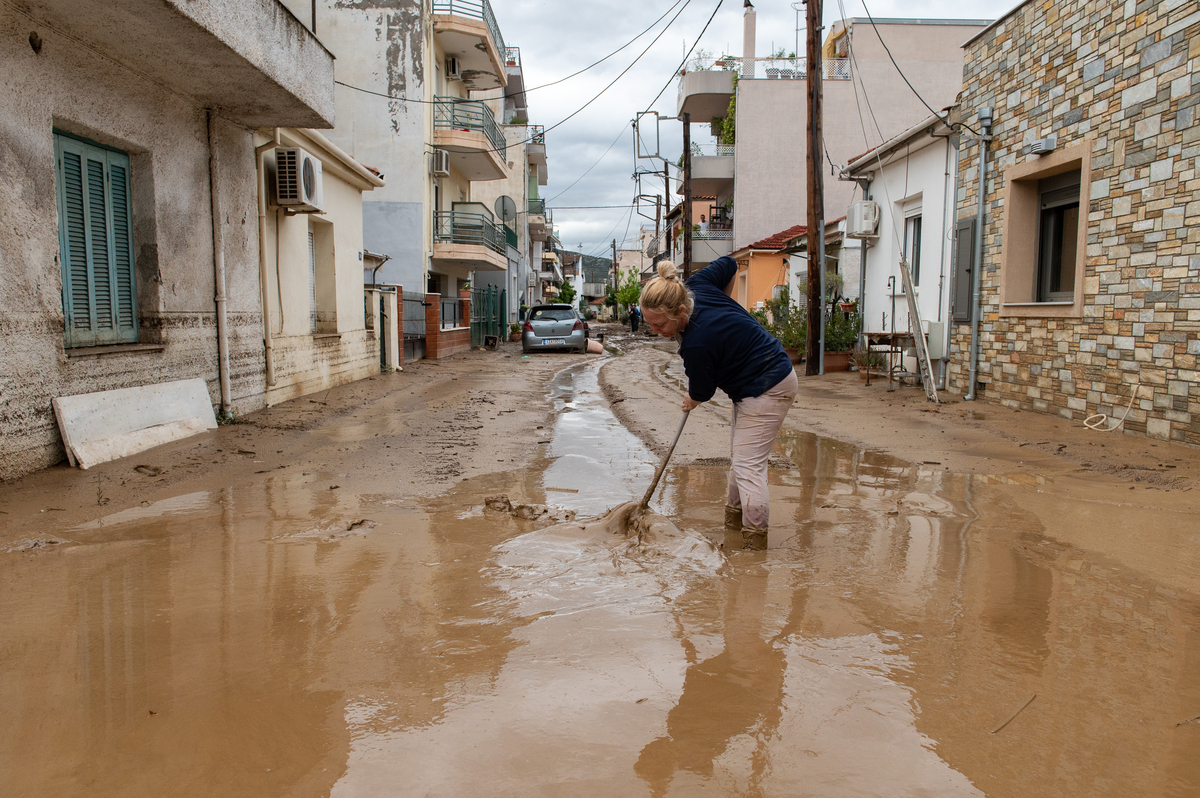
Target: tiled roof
pixel 780 239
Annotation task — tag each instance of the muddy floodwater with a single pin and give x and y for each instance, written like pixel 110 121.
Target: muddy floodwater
pixel 910 632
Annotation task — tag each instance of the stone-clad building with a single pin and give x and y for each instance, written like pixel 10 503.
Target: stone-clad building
pixel 1091 246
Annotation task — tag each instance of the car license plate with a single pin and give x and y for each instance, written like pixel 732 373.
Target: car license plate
pixel 554 342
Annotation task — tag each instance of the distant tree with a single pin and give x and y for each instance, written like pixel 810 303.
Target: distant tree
pixel 631 290
pixel 567 294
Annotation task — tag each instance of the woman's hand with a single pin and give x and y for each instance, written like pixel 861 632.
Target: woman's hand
pixel 690 404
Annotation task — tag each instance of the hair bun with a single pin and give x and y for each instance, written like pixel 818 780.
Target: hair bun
pixel 668 270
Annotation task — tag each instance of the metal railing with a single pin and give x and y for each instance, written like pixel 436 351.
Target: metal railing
pixel 713 234
pixel 512 56
pixel 473 9
pixel 451 113
pixel 537 207
pixel 457 227
pixel 711 150
pixel 536 134
pixel 772 68
pixel 451 313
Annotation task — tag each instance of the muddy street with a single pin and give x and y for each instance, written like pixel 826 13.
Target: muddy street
pixel 317 602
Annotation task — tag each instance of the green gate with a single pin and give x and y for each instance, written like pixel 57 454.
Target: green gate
pixel 488 306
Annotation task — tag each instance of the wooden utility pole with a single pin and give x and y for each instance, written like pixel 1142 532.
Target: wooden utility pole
pixel 616 272
pixel 816 204
pixel 670 249
pixel 687 196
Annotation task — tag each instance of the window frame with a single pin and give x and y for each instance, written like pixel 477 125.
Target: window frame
pixel 1019 271
pixel 912 248
pixel 120 305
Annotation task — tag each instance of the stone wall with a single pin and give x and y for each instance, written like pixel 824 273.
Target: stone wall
pixel 1124 78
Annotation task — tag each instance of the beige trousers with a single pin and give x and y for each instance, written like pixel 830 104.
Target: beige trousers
pixel 756 422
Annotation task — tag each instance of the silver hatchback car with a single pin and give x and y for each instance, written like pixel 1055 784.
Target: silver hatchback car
pixel 554 327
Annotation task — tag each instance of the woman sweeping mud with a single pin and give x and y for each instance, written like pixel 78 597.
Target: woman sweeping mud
pixel 722 346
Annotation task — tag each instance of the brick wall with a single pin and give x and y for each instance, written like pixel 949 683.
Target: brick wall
pixel 441 343
pixel 1124 77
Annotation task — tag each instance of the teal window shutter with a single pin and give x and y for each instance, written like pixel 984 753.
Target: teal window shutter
pixel 95 243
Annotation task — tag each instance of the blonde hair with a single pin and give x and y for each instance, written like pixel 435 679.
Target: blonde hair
pixel 667 294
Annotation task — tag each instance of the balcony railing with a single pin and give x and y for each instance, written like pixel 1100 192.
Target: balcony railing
pixel 713 234
pixel 773 68
pixel 719 150
pixel 536 134
pixel 473 9
pixel 512 56
pixel 537 207
pixel 451 113
pixel 475 229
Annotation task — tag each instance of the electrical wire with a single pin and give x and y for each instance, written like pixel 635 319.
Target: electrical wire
pixel 945 119
pixel 683 63
pixel 590 168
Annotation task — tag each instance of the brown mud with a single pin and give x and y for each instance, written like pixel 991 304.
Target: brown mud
pixel 318 602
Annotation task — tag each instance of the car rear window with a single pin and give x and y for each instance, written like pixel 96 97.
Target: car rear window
pixel 553 314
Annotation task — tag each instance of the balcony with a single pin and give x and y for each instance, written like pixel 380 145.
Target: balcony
pixel 256 62
pixel 705 94
pixel 536 136
pixel 712 170
pixel 467 30
pixel 539 220
pixel 709 245
pixel 468 239
pixel 467 129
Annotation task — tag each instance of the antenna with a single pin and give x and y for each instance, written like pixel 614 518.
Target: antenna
pixel 505 208
pixel 647 135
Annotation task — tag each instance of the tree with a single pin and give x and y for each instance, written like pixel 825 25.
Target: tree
pixel 566 294
pixel 631 290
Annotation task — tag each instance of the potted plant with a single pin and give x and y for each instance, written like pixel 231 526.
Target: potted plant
pixel 865 360
pixel 785 320
pixel 514 332
pixel 841 336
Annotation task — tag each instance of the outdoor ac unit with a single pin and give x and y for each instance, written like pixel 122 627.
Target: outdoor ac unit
pixel 298 181
pixel 453 70
pixel 862 219
pixel 441 163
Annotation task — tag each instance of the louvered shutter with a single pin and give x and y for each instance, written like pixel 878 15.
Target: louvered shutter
pixel 95 244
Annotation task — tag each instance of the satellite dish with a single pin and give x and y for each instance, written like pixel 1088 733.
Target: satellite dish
pixel 506 209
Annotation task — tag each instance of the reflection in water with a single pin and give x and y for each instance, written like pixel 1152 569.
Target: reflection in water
pixel 260 640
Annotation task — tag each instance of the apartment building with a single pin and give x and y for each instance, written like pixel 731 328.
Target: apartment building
pixel 756 170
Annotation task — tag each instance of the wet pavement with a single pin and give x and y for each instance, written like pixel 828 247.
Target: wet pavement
pixel 911 631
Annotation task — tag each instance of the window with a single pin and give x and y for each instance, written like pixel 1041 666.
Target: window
pixel 95 243
pixel 912 247
pixel 322 278
pixel 1041 255
pixel 1058 237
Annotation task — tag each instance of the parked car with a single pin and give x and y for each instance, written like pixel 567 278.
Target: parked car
pixel 554 327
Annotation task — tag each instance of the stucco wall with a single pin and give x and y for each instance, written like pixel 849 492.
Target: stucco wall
pixel 381 46
pixel 771 189
pixel 1122 79
pixel 166 136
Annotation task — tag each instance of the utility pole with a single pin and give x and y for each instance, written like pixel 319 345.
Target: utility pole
pixel 667 203
pixel 616 273
pixel 687 196
pixel 816 204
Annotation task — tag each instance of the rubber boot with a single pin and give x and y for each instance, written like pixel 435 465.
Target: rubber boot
pixel 733 518
pixel 754 538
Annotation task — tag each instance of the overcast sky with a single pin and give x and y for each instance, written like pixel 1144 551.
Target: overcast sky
pixel 558 37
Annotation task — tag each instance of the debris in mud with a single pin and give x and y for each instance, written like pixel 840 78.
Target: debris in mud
pixel 529 512
pixel 331 533
pixel 150 471
pixel 35 543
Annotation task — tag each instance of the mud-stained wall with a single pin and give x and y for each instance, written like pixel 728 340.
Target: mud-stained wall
pixel 1121 79
pixel 383 46
pixel 71 88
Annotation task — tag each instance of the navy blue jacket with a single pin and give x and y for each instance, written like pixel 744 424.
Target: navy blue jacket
pixel 723 346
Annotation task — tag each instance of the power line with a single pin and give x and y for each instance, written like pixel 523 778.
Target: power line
pixel 689 53
pixel 590 168
pixel 945 120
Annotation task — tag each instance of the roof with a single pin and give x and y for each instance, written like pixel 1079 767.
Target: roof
pixel 923 128
pixel 998 20
pixel 779 239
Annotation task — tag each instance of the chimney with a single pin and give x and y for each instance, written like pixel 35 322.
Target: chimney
pixel 748 37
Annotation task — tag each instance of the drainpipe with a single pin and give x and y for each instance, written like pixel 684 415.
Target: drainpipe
pixel 219 268
pixel 947 203
pixel 985 130
pixel 268 332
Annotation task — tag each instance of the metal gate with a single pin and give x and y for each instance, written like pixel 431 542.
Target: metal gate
pixel 488 306
pixel 414 326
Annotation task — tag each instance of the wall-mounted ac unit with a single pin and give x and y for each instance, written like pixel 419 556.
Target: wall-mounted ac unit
pixel 441 163
pixel 453 70
pixel 862 219
pixel 298 181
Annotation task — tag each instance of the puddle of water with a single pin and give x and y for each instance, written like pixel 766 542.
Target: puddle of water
pixel 249 642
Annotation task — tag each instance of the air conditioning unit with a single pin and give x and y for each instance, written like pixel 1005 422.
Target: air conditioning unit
pixel 453 70
pixel 441 163
pixel 298 181
pixel 862 219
